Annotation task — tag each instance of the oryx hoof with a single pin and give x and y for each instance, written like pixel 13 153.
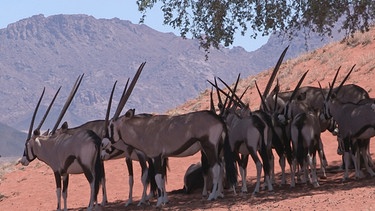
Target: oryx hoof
pixel 143 203
pixel 316 184
pixel 220 195
pixel 159 204
pixel 128 203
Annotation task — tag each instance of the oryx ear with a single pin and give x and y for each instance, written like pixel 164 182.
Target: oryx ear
pixel 64 125
pixel 36 132
pixel 130 113
pixel 301 96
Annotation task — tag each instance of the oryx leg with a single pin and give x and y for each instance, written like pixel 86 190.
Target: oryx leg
pixel 347 157
pixel 242 162
pixel 58 189
pixel 259 166
pixel 151 178
pixel 311 157
pixel 293 173
pixel 356 156
pixel 323 160
pixel 144 176
pixel 90 176
pixel 65 190
pixel 364 152
pixel 160 181
pixel 104 190
pixel 215 169
pixel 282 166
pixel 305 171
pixel 129 164
pixel 272 168
pixel 205 172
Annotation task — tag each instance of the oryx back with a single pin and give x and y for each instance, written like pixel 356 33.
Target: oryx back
pixel 170 135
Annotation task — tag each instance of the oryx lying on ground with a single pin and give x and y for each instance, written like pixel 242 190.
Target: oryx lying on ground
pixel 356 122
pixel 162 136
pixel 66 154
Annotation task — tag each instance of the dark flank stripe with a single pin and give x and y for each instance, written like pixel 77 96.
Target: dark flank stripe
pixel 363 129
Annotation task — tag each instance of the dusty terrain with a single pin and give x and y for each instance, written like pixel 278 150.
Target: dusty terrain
pixel 33 187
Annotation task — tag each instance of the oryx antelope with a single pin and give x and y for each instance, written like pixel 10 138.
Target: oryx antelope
pixel 118 151
pixel 66 154
pixel 356 122
pixel 248 134
pixel 304 127
pixel 313 98
pixel 162 136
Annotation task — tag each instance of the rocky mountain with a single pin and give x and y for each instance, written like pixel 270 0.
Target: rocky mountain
pixel 52 51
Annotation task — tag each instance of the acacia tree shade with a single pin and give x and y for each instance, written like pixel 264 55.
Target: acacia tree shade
pixel 214 22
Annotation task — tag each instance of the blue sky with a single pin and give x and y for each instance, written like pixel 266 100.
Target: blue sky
pixel 14 10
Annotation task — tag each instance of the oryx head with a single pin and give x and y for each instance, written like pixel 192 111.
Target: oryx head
pixel 28 153
pixel 112 126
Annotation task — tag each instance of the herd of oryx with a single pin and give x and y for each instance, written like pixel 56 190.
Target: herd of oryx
pixel 288 123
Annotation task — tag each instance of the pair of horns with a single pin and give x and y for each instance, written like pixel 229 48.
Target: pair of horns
pixel 334 81
pixel 124 97
pixel 67 103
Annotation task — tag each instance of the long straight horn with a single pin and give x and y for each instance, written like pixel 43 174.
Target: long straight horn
pixel 106 122
pixel 345 79
pixel 226 94
pixel 233 93
pixel 119 108
pixel 67 103
pixel 262 98
pixel 218 93
pixel 212 107
pixel 236 84
pixel 297 86
pixel 129 91
pixel 274 73
pixel 321 90
pixel 243 93
pixel 34 114
pixel 276 90
pixel 48 109
pixel 333 83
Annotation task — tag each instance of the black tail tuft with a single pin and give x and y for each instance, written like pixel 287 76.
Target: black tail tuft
pixel 151 177
pixel 99 173
pixel 230 167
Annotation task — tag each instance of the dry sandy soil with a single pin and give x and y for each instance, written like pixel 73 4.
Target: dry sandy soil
pixel 33 187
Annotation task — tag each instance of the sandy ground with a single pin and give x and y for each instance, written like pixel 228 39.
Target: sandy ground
pixel 33 188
